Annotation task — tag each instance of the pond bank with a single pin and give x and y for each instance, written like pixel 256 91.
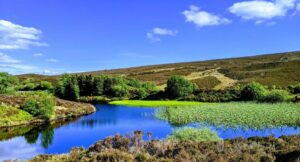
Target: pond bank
pixel 63 109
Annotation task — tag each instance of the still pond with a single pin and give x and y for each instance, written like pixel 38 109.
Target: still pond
pixel 108 120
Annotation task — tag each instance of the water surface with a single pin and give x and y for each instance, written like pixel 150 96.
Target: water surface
pixel 107 121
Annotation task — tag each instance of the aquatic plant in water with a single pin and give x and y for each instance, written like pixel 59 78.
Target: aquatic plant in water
pixel 240 114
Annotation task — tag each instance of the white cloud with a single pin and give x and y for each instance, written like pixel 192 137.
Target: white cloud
pixel 155 34
pixel 298 6
pixel 51 60
pixel 7 59
pixel 203 18
pixel 14 66
pixel 164 31
pixel 260 10
pixel 38 55
pixel 13 36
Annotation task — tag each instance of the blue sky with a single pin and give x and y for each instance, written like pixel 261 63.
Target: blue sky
pixel 57 36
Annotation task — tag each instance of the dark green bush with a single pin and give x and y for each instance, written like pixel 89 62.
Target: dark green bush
pixel 295 89
pixel 177 87
pixel 253 92
pixel 67 88
pixel 276 96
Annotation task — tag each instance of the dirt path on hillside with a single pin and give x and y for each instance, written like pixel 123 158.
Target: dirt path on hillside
pixel 225 81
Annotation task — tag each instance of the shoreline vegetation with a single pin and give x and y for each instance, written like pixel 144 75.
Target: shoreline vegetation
pixel 133 148
pixel 13 115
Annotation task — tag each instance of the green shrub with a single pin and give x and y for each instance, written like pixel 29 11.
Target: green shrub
pixel 31 106
pixel 120 91
pixel 177 87
pixel 276 96
pixel 253 92
pixel 193 134
pixel 8 83
pixel 39 104
pixel 295 89
pixel 44 85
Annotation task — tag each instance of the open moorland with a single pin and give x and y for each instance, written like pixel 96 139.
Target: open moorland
pixel 274 69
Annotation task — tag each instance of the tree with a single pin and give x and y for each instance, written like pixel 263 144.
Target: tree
pixel 177 87
pixel 98 86
pixel 71 89
pixel 85 83
pixel 149 87
pixel 120 91
pixel 68 88
pixel 134 83
pixel 253 91
pixel 8 83
pixel 111 82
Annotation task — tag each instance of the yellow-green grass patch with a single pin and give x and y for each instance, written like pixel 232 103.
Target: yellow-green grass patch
pixel 10 115
pixel 143 103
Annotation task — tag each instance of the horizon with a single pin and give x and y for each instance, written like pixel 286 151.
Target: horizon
pixel 55 37
pixel 238 57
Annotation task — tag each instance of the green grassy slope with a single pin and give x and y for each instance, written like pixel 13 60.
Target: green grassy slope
pixel 279 69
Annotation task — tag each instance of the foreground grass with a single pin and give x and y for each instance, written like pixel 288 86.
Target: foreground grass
pixel 249 115
pixel 120 148
pixel 10 115
pixel 143 103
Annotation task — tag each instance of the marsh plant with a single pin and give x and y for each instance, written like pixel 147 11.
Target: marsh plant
pixel 235 114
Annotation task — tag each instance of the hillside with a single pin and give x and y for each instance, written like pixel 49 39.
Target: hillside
pixel 280 69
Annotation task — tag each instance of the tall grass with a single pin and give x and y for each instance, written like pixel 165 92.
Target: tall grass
pixel 251 115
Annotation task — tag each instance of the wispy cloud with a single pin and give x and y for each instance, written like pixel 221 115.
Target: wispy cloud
pixel 298 6
pixel 157 32
pixel 51 60
pixel 260 10
pixel 38 55
pixel 14 66
pixel 7 59
pixel 13 36
pixel 202 18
